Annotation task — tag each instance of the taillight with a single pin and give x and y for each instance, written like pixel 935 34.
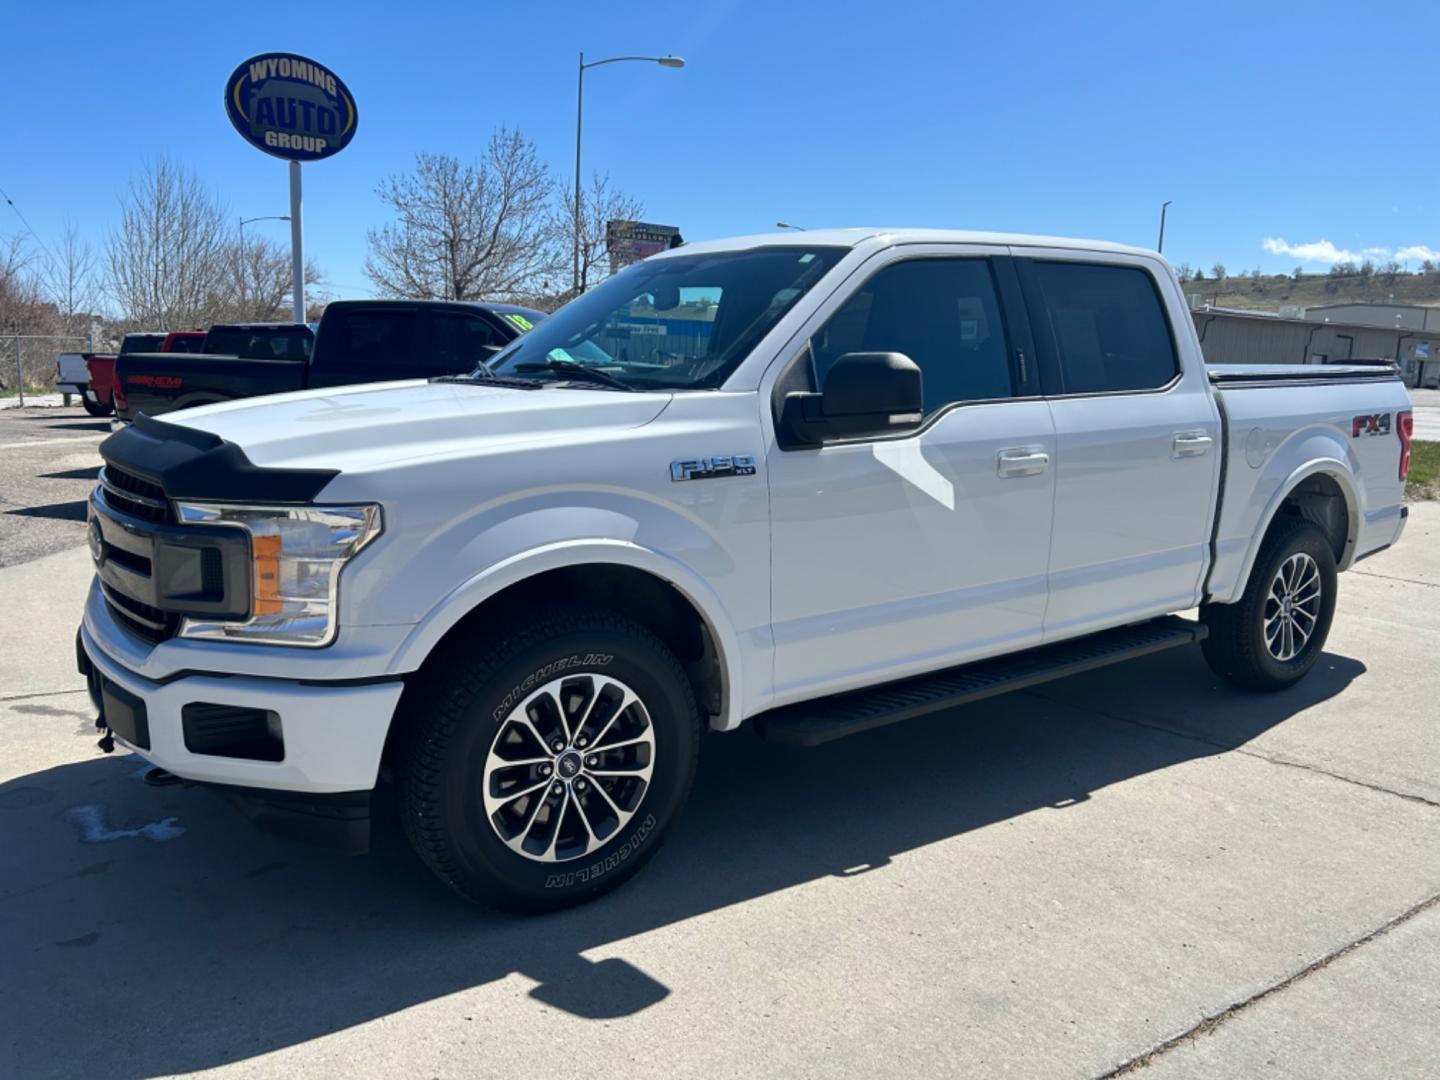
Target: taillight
pixel 1405 425
pixel 117 393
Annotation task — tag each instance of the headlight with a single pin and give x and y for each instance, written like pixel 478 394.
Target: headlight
pixel 297 554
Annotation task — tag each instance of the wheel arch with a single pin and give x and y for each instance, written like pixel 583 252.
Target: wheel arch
pixel 1311 491
pixel 636 581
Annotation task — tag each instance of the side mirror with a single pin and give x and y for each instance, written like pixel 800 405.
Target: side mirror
pixel 876 393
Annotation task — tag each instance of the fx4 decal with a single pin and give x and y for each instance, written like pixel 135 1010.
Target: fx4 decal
pixel 712 468
pixel 1374 424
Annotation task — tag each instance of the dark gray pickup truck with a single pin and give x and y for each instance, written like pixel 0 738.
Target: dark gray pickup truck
pixel 358 341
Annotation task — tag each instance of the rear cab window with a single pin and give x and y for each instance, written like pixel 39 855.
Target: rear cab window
pixel 370 338
pixel 1104 326
pixel 260 342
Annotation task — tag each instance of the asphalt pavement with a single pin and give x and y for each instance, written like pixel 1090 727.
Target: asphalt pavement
pixel 47 468
pixel 1138 871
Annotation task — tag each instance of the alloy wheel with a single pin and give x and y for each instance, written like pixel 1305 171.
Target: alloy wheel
pixel 569 767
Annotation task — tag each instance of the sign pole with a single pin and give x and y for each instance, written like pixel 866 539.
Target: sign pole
pixel 297 247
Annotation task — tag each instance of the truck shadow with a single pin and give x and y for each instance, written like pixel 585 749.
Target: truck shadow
pixel 151 931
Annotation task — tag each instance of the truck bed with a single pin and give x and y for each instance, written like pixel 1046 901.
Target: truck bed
pixel 155 383
pixel 1283 423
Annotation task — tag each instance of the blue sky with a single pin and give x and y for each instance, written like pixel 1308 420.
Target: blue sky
pixel 1299 125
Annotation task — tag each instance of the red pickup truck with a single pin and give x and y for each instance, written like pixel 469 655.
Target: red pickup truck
pixel 104 395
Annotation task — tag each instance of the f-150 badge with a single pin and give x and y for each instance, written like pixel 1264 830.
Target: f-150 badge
pixel 712 468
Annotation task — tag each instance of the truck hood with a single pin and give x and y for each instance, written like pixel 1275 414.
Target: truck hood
pixel 360 427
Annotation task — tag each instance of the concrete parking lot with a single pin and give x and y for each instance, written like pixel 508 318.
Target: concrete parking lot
pixel 1137 871
pixel 1427 414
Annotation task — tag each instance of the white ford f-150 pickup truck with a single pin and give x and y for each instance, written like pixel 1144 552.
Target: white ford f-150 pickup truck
pixel 811 484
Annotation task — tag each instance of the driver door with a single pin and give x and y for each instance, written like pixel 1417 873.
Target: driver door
pixel 897 555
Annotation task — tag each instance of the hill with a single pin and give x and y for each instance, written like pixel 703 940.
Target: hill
pixel 1273 291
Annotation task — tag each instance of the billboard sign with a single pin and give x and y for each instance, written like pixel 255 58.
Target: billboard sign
pixel 630 241
pixel 290 106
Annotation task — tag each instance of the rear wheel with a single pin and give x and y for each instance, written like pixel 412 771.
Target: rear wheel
pixel 1274 634
pixel 542 764
pixel 95 408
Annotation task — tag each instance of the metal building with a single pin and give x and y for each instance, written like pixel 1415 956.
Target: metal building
pixel 1232 336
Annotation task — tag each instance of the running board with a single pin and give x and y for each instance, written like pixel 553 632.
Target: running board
pixel 810 723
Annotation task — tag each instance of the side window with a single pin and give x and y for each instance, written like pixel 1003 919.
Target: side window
pixel 371 339
pixel 941 313
pixel 1110 327
pixel 460 343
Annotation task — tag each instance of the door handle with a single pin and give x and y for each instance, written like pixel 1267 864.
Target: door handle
pixel 1021 461
pixel 1189 444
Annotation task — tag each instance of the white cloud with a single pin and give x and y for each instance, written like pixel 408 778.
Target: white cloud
pixel 1325 253
pixel 1319 251
pixel 1417 251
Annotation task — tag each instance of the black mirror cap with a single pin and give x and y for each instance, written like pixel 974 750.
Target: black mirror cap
pixel 866 395
pixel 873 383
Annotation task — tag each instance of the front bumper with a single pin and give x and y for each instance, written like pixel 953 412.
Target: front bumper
pixel 332 734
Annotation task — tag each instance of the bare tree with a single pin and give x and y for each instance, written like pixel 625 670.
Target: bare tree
pixel 600 204
pixel 1184 271
pixel 20 298
pixel 258 284
pixel 71 278
pixel 466 232
pixel 168 259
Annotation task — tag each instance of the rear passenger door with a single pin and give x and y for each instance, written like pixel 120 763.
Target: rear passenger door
pixel 1137 441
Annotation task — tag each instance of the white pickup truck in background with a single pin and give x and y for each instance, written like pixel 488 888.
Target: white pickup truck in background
pixel 817 483
pixel 72 377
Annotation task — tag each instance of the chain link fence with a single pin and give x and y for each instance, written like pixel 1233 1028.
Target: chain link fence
pixel 27 361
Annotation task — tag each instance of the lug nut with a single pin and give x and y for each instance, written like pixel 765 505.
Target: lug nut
pixel 592 760
pixel 558 788
pixel 557 746
pixel 544 770
pixel 580 784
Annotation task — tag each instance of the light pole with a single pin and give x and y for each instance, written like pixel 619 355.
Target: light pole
pixel 787 225
pixel 663 61
pixel 247 221
pixel 1160 247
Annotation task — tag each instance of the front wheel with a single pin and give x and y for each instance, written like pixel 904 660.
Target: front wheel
pixel 1272 637
pixel 542 764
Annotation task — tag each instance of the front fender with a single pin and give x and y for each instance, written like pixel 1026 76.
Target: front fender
pixel 474 591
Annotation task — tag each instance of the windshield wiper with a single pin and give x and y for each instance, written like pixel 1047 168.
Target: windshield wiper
pixel 571 368
pixel 474 378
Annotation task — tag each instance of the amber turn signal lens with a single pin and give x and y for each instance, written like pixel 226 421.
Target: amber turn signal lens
pixel 266 551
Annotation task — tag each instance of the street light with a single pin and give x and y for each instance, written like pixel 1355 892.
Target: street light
pixel 1160 247
pixel 787 225
pixel 248 221
pixel 663 61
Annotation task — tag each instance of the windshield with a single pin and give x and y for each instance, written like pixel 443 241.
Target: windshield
pixel 682 322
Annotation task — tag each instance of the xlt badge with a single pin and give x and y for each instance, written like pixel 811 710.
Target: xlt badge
pixel 712 468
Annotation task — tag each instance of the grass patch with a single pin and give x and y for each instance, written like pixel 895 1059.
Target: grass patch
pixel 1424 479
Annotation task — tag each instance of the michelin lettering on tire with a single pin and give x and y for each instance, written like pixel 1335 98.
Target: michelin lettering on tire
pixel 291 106
pixel 549 671
pixel 610 862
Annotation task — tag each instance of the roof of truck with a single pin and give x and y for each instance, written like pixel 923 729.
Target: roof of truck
pixel 857 237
